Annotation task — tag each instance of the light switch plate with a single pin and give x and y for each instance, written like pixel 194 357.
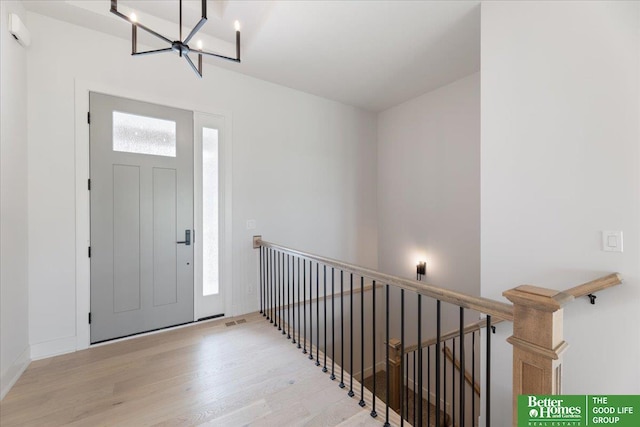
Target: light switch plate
pixel 612 241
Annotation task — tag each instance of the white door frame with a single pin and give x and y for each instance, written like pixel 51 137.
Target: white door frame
pixel 82 206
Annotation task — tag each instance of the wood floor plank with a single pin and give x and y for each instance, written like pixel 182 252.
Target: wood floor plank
pixel 242 416
pixel 206 374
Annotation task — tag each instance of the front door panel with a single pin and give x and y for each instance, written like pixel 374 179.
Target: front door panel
pixel 141 159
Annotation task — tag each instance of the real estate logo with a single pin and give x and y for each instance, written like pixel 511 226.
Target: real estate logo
pixel 555 410
pixel 578 411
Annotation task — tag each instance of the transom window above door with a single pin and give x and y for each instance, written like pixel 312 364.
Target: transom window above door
pixel 143 135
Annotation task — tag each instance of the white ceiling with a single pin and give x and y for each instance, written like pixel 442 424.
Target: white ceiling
pixel 370 54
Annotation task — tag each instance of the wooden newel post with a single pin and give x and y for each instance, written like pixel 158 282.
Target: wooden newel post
pixel 537 341
pixel 395 373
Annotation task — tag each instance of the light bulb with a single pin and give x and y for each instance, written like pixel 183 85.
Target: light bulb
pixel 237 25
pixel 133 17
pixel 199 44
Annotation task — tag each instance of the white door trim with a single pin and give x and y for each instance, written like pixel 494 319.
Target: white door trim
pixel 82 207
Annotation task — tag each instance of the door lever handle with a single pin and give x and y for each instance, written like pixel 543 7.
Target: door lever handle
pixel 187 238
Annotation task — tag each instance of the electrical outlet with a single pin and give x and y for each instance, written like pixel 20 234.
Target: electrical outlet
pixel 251 224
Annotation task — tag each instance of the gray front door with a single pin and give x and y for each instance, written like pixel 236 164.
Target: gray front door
pixel 141 160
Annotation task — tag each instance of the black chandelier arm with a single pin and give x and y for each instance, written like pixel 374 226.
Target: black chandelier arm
pixel 114 10
pixel 151 52
pixel 193 66
pixel 193 32
pixel 149 30
pixel 199 25
pixel 216 55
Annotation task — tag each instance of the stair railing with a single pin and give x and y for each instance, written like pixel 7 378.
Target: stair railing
pixel 296 287
pixel 450 397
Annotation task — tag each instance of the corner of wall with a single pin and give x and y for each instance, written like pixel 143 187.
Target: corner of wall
pixel 13 373
pixel 14 331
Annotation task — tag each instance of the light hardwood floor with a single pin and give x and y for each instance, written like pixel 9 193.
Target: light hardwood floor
pixel 205 374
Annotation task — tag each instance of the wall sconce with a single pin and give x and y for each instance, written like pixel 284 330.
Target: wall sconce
pixel 421 269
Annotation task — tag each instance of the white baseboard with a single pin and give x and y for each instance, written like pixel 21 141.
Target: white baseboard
pixel 53 348
pixel 368 371
pixel 14 372
pixel 433 400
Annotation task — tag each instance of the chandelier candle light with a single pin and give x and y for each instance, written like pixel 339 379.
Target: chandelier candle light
pixel 180 46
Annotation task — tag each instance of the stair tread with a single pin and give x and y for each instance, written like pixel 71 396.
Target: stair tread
pixel 427 408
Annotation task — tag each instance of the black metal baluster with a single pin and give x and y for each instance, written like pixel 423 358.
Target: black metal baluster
pixel 373 347
pixel 444 377
pixel 462 370
pixel 277 315
pixel 333 323
pixel 324 308
pixel 282 300
pixel 402 359
pixel 304 307
pixel 261 274
pixel 473 378
pixel 298 302
pixel 406 393
pixel 437 356
pixel 453 383
pixel 415 395
pixel 299 346
pixel 265 280
pixel 362 403
pixel 351 393
pixel 270 285
pixel 488 372
pixel 310 310
pixel 278 273
pixel 273 287
pixel 292 306
pixel 419 404
pixel 341 329
pixel 429 385
pixel 281 325
pixel 317 314
pixel 288 298
pixel 386 423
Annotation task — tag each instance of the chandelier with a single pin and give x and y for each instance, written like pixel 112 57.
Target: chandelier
pixel 180 46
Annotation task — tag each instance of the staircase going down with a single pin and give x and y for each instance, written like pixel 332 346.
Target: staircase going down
pixel 428 409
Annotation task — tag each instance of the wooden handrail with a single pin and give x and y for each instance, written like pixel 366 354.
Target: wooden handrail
pixel 593 286
pixel 467 375
pixel 484 305
pixel 584 289
pixel 473 327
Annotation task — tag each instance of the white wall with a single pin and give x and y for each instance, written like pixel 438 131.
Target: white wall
pixel 429 195
pixel 429 201
pixel 303 166
pixel 560 163
pixel 14 308
pixel 428 186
